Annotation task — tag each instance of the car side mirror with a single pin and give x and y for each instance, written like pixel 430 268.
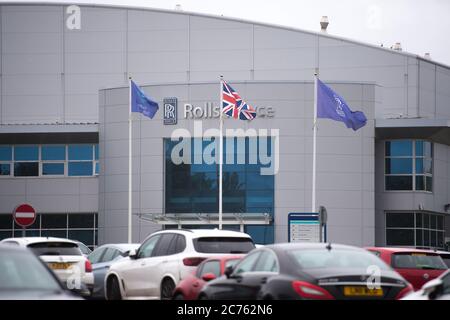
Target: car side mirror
pixel 432 288
pixel 132 254
pixel 208 277
pixel 228 271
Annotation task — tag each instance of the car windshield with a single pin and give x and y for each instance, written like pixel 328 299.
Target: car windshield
pixel 223 245
pixel 335 259
pixel 413 260
pixel 55 249
pixel 23 271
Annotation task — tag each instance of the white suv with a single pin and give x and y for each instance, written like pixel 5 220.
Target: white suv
pixel 165 258
pixel 64 257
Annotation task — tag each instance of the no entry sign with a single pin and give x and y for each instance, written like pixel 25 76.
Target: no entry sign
pixel 24 215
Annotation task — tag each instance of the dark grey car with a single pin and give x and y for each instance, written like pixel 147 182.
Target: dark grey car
pixel 23 276
pixel 102 258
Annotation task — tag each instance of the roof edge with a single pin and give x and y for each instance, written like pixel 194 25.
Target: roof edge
pixel 205 15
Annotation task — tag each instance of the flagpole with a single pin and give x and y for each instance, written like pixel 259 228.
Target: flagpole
pixel 220 154
pixel 313 209
pixel 130 169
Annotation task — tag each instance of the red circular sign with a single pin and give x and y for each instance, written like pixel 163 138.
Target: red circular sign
pixel 24 215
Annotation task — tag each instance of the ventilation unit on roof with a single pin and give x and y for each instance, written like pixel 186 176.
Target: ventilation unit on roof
pixel 397 46
pixel 427 56
pixel 324 23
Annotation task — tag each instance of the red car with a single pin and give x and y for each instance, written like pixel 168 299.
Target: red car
pixel 209 269
pixel 415 265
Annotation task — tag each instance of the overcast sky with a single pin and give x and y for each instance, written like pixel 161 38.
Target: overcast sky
pixel 420 25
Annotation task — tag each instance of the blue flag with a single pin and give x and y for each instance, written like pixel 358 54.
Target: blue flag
pixel 141 103
pixel 332 106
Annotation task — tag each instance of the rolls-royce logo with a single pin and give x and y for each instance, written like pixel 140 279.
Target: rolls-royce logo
pixel 170 111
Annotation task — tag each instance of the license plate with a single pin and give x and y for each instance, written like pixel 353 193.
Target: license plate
pixel 59 265
pixel 362 292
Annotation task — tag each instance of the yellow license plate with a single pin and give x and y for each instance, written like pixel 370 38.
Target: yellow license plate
pixel 59 265
pixel 362 292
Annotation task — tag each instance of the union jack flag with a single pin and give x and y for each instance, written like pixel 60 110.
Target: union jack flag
pixel 233 105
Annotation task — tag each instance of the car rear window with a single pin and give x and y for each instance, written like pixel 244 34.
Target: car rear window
pixel 417 261
pixel 55 249
pixel 335 259
pixel 223 245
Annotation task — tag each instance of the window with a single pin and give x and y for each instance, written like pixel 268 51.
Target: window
pixel 80 227
pixel 146 250
pixel 211 267
pixel 163 247
pixel 110 254
pixel 223 245
pixel 26 161
pixel 267 262
pixel 193 188
pixel 53 158
pixel 409 165
pixel 49 160
pixel 5 160
pixel 247 263
pixel 95 256
pixel 415 229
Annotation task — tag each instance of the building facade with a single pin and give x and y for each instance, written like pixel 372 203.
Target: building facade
pixel 64 129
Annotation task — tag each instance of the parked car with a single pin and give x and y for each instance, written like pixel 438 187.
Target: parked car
pixel 24 276
pixel 436 289
pixel 102 258
pixel 84 248
pixel 415 265
pixel 209 269
pixel 445 255
pixel 307 271
pixel 64 257
pixel 165 258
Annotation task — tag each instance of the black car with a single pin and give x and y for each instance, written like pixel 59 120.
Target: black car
pixel 23 276
pixel 308 271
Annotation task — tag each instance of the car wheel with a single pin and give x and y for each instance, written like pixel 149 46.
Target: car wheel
pixel 178 296
pixel 167 288
pixel 113 290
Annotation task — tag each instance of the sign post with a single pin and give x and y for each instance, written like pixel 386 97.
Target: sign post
pixel 24 215
pixel 304 227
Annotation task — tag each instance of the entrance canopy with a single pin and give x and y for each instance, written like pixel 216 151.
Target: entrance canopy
pixel 181 219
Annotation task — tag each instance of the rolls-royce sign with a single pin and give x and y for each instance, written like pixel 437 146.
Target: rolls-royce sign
pixel 209 110
pixel 170 110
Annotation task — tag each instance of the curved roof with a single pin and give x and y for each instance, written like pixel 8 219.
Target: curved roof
pixel 221 17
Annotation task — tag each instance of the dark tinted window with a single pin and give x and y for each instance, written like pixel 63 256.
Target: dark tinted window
pixel 417 261
pixel 26 169
pixel 55 249
pixel 54 221
pixel 180 244
pixel 398 182
pixel 164 245
pixel 223 245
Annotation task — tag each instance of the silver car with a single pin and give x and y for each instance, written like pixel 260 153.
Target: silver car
pixel 102 258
